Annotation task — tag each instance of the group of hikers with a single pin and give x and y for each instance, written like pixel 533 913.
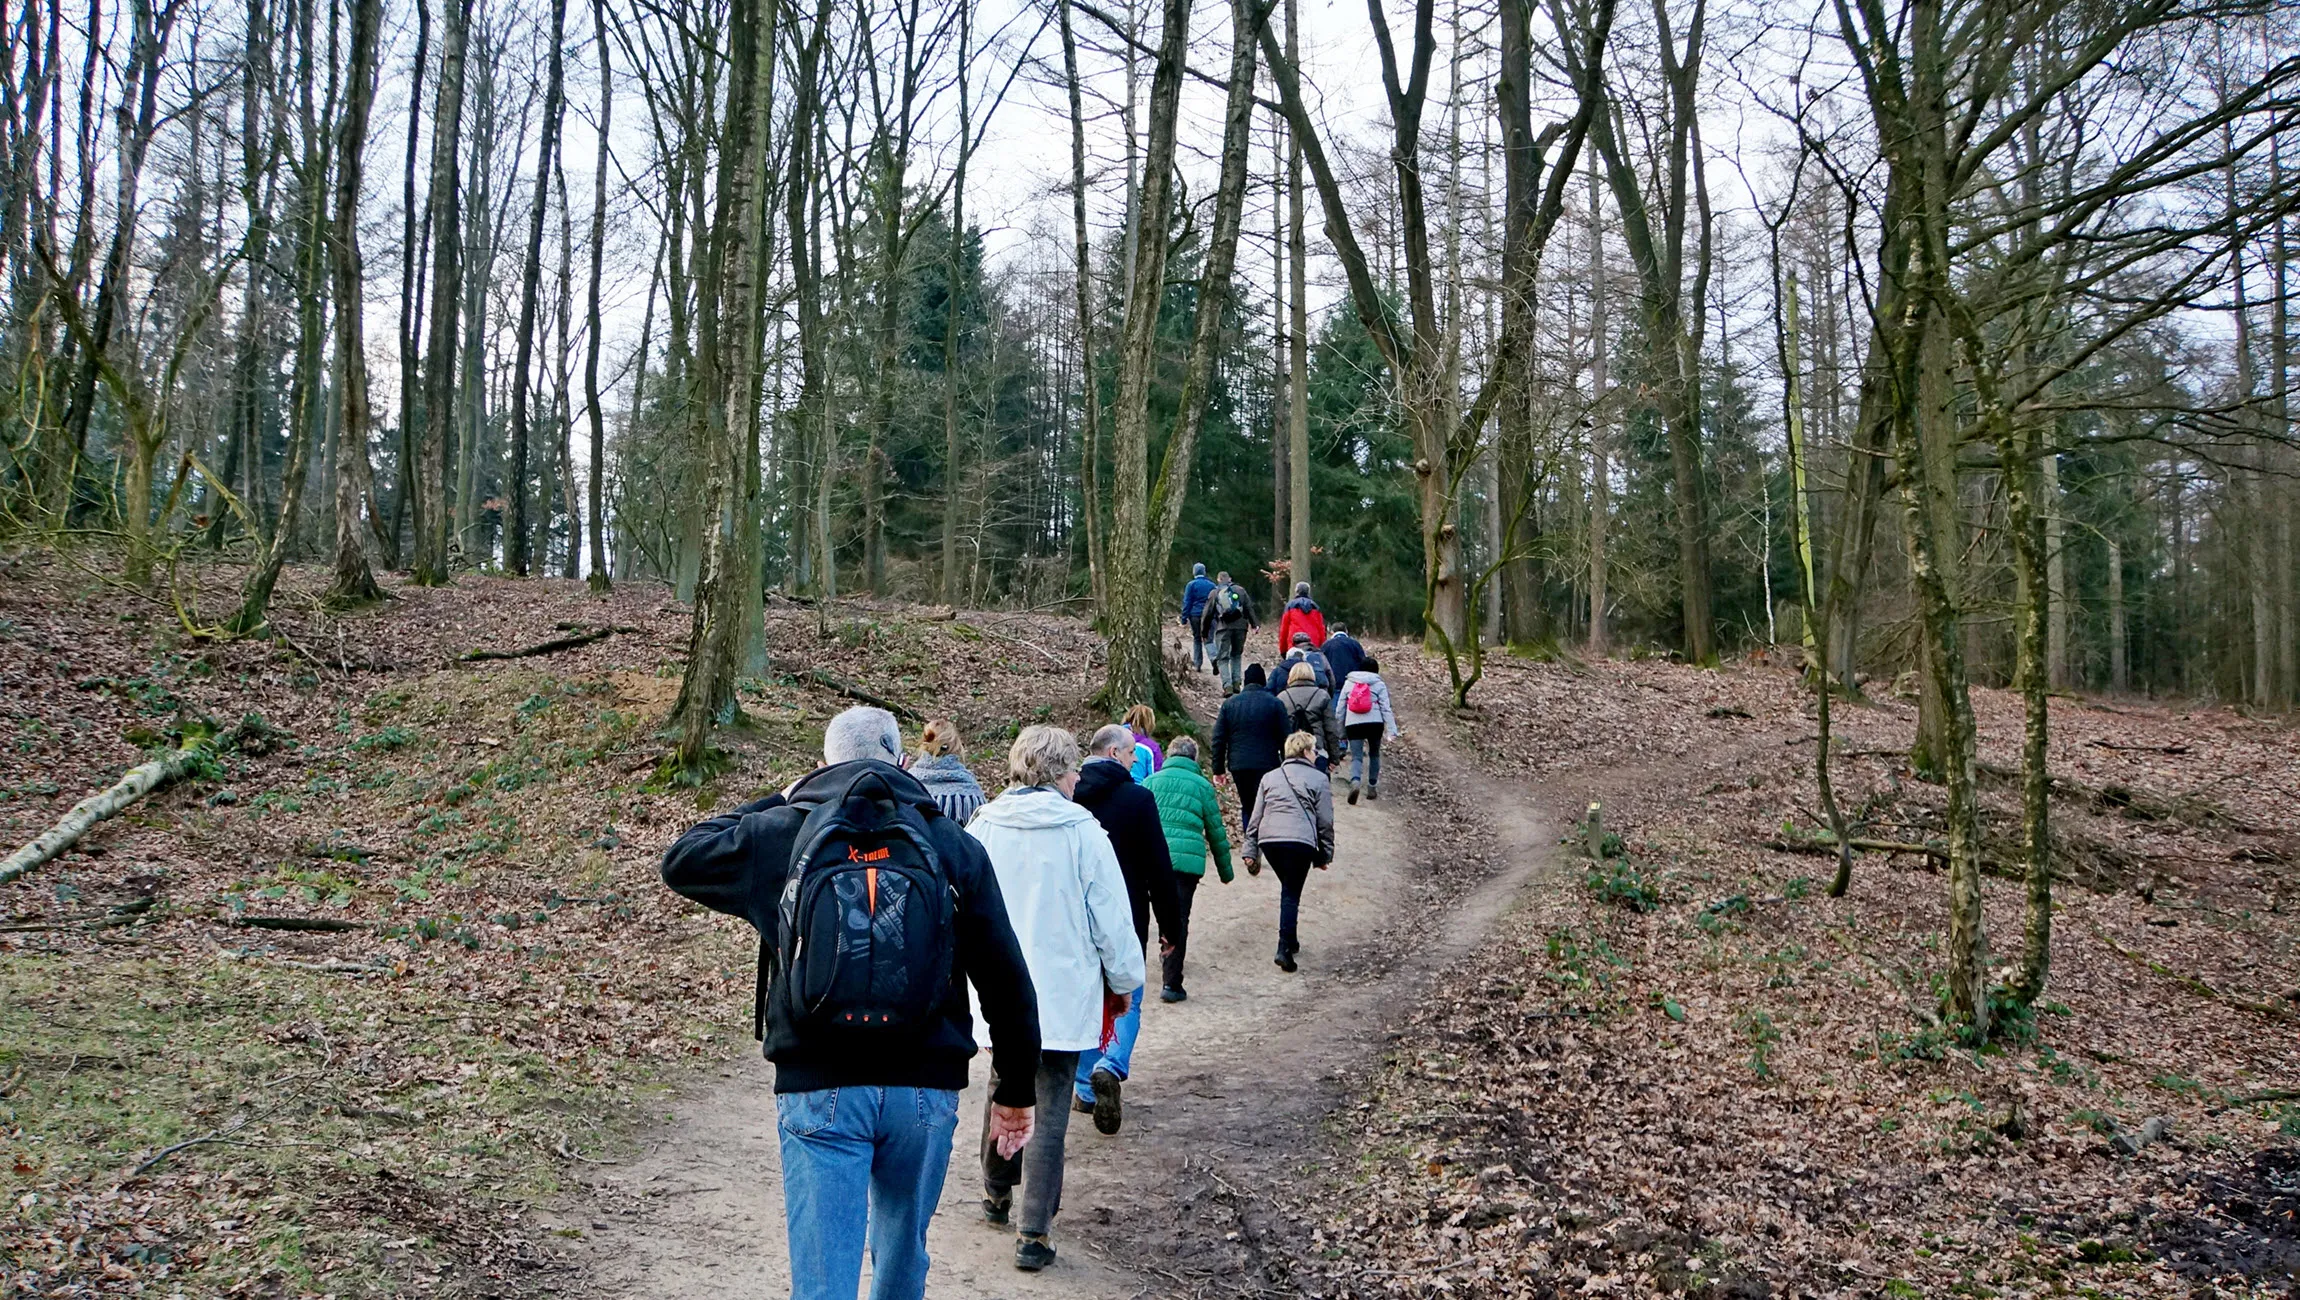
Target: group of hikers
pixel 885 882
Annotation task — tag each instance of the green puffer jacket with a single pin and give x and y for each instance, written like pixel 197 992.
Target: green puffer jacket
pixel 1191 814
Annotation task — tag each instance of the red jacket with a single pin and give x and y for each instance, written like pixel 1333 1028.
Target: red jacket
pixel 1301 616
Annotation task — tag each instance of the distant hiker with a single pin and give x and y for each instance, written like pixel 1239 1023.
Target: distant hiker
pixel 1293 830
pixel 1366 718
pixel 1343 653
pixel 1249 739
pixel 1228 617
pixel 1148 757
pixel 1191 814
pixel 1303 652
pixel 1193 613
pixel 870 1034
pixel 1310 707
pixel 1067 897
pixel 1301 615
pixel 941 768
pixel 1128 812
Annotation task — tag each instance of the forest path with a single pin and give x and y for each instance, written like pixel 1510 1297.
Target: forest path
pixel 1228 1094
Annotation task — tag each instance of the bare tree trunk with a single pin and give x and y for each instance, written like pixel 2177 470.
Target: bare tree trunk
pixel 1297 342
pixel 1137 672
pixel 599 579
pixel 429 516
pixel 1600 468
pixel 2119 672
pixel 1090 420
pixel 1513 452
pixel 353 579
pixel 951 319
pixel 515 540
pixel 411 261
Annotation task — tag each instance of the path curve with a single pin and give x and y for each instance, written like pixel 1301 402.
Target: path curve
pixel 1228 1094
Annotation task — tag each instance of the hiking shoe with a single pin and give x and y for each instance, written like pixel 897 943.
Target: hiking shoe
pixel 1108 1114
pixel 1285 961
pixel 996 1211
pixel 1032 1254
pixel 1371 793
pixel 1080 1106
pixel 1173 995
pixel 1354 793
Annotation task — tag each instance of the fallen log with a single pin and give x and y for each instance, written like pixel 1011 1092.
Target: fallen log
pixel 2191 982
pixel 1821 848
pixel 142 779
pixel 853 692
pixel 551 647
pixel 314 924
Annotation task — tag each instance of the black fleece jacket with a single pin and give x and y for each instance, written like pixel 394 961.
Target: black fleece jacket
pixel 1250 732
pixel 1130 814
pixel 737 862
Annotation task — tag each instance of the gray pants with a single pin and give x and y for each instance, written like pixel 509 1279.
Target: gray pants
pixel 1038 1167
pixel 1230 657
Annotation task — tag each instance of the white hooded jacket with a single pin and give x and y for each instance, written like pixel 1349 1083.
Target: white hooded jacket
pixel 1067 902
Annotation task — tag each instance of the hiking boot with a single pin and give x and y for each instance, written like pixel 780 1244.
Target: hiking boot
pixel 1173 995
pixel 1354 793
pixel 995 1211
pixel 1285 960
pixel 1108 1114
pixel 1080 1106
pixel 1032 1254
pixel 1371 793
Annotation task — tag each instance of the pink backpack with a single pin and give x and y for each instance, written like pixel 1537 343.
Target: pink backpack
pixel 1361 697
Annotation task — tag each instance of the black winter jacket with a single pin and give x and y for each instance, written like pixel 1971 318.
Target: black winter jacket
pixel 1249 733
pixel 1129 814
pixel 737 862
pixel 1344 655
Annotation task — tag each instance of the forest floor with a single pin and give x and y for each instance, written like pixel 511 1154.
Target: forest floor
pixel 523 1066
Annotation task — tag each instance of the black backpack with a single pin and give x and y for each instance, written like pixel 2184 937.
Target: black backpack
pixel 1300 717
pixel 865 934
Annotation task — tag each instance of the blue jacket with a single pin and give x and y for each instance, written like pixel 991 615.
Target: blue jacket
pixel 1194 597
pixel 1344 655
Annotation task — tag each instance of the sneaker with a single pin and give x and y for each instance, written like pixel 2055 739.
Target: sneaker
pixel 1354 794
pixel 1108 1114
pixel 996 1211
pixel 1285 961
pixel 1173 995
pixel 1032 1254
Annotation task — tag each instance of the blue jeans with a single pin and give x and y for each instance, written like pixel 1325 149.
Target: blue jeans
pixel 862 1163
pixel 1361 740
pixel 1121 1054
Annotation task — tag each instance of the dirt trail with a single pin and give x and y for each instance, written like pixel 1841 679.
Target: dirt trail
pixel 1228 1092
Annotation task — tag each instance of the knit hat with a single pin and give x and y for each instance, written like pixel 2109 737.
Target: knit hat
pixel 1255 676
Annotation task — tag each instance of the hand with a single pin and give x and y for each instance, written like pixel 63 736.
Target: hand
pixel 1221 778
pixel 1114 1005
pixel 1165 946
pixel 1323 865
pixel 1253 866
pixel 1010 1128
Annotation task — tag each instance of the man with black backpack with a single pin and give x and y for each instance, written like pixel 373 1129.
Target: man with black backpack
pixel 874 912
pixel 1228 617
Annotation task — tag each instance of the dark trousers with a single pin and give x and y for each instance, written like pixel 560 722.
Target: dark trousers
pixel 1038 1166
pixel 1249 782
pixel 1185 889
pixel 1197 644
pixel 1292 864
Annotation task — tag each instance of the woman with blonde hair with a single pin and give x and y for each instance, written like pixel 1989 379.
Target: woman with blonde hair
pixel 1293 828
pixel 1148 755
pixel 1067 901
pixel 941 768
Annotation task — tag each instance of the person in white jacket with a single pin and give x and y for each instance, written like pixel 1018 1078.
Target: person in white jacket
pixel 1066 900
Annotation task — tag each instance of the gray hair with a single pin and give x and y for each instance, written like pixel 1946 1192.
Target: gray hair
pixel 1042 756
pixel 1182 747
pixel 862 732
pixel 1116 736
